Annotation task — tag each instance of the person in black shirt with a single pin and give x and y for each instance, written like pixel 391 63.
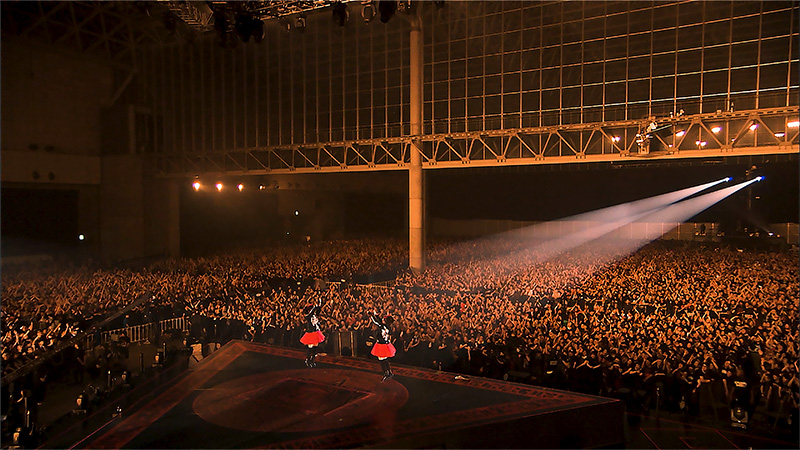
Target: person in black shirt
pixel 313 335
pixel 383 348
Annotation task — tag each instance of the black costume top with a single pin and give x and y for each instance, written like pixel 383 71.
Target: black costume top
pixel 382 335
pixel 312 323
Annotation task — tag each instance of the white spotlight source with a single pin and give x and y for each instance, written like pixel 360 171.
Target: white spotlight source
pixel 219 186
pixel 296 212
pixel 753 127
pixel 780 134
pixel 615 139
pixel 680 133
pixel 240 186
pixel 759 178
pixel 728 179
pixel 196 185
pixel 81 237
pixel 716 130
pixel 793 124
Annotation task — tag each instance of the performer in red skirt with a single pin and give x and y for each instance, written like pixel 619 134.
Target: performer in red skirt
pixel 383 348
pixel 313 336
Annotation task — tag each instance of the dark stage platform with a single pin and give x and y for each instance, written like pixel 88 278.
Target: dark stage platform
pixel 248 395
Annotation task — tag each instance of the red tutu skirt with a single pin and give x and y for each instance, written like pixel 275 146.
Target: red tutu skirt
pixel 383 350
pixel 312 338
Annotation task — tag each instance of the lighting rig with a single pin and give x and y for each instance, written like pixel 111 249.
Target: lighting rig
pixel 235 21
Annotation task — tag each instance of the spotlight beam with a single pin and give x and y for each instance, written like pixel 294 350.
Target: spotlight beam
pixel 676 214
pixel 612 217
pixel 682 211
pixel 585 227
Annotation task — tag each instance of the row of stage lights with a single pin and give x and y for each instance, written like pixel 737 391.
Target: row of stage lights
pixel 219 186
pixel 717 129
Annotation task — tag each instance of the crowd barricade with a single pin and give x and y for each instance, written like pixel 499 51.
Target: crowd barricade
pixel 139 333
pixel 345 343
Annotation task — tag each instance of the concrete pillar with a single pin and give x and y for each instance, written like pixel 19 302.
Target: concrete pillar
pixel 173 219
pixel 416 186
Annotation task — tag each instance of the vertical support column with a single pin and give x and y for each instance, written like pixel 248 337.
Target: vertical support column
pixel 416 187
pixel 132 130
pixel 173 219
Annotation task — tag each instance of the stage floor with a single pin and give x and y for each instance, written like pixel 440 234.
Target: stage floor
pixel 248 395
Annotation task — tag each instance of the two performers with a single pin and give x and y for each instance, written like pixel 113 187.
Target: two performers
pixel 382 349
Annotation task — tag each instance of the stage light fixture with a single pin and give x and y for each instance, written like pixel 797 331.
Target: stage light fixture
pixel 221 26
pixel 196 185
pixel 170 22
pixel 285 24
pixel 218 186
pixel 387 9
pixel 81 237
pixel 615 139
pixel 716 130
pixel 258 30
pixel 300 24
pixel 793 124
pixel 296 212
pixel 780 134
pixel 339 13
pixel 759 178
pixel 753 127
pixel 244 27
pixel 261 187
pixel 367 11
pixel 240 186
pixel 728 179
pixel 680 133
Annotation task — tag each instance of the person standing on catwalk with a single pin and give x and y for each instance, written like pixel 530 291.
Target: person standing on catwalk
pixel 313 335
pixel 383 348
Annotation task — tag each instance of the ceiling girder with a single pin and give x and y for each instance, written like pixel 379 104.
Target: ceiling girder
pixel 604 141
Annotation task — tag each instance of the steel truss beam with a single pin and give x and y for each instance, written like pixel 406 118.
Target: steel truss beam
pixel 110 30
pixel 741 133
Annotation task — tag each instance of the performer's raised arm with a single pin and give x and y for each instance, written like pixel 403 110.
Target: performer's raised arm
pixel 374 318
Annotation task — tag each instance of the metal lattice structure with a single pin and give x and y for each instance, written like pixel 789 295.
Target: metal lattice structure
pixel 525 82
pixel 113 31
pixel 765 131
pixel 504 83
pixel 116 30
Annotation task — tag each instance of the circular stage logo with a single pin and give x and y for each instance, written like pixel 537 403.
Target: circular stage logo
pixel 301 400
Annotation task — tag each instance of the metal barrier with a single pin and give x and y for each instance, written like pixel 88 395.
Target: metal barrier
pixel 140 333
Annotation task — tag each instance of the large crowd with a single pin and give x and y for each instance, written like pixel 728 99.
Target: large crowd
pixel 667 319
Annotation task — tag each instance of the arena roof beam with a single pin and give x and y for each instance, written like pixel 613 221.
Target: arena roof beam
pixel 699 136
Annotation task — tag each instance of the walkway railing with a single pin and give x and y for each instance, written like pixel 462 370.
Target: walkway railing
pixel 140 333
